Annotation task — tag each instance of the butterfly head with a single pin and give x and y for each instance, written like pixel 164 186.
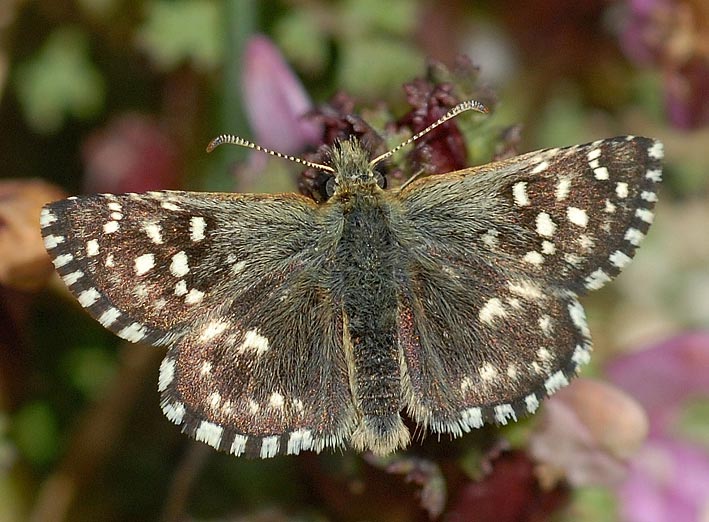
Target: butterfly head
pixel 353 170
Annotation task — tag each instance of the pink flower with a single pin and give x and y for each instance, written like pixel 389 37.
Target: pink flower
pixel 669 478
pixel 671 36
pixel 275 100
pixel 131 154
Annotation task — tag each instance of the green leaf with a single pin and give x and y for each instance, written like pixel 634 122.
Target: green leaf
pixel 377 66
pixel 36 432
pixel 399 17
pixel 302 40
pixel 89 369
pixel 59 81
pixel 694 421
pixel 181 31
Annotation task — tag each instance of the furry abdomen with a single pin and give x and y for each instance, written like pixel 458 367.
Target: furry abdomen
pixel 363 271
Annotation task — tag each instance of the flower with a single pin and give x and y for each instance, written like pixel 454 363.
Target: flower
pixel 131 154
pixel 669 477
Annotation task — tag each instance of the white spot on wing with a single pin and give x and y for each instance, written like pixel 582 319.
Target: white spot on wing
pixel 621 189
pixel 572 259
pixel 62 260
pixel 167 373
pixel 238 267
pixel 610 207
pixel 525 289
pixel 648 196
pixel 531 402
pixel 212 330
pixel 646 215
pixel 92 248
pixel 472 417
pixel 46 217
pixel 487 372
pixel 179 266
pixel 299 440
pixel 545 324
pixel 577 216
pixel 110 227
pixel 109 317
pixel 269 447
pixel 563 188
pixel 154 232
pixel 656 151
pixel 490 310
pixel 52 241
pixel 556 381
pixel 545 226
pixel 578 317
pixel 144 263
pixel 276 400
pixel 134 332
pixel 254 341
pixel 175 412
pixel 180 288
pixel 503 412
pixel 169 206
pixel 72 278
pixel 88 297
pixel 197 227
pixel 634 236
pixel 601 173
pixel 533 257
pixel 619 259
pixel 544 355
pixel 654 175
pixel 585 242
pixel 594 154
pixel 548 248
pixel 490 238
pixel 519 192
pixel 194 296
pixel 581 355
pixel 239 445
pixel 210 433
pixel 540 167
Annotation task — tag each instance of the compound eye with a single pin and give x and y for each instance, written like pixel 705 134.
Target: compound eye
pixel 330 187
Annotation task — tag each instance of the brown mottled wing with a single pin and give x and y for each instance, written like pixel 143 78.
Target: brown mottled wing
pixel 489 317
pixel 218 278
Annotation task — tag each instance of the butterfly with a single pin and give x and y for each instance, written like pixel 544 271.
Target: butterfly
pixel 292 325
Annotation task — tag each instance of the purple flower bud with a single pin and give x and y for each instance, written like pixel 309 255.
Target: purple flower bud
pixel 275 100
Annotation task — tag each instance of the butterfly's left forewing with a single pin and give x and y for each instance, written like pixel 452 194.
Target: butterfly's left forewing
pixel 497 255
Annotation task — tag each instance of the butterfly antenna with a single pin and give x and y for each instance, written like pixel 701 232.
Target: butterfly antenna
pixel 236 140
pixel 469 105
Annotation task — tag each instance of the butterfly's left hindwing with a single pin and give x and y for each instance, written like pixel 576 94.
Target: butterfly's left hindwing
pixel 489 317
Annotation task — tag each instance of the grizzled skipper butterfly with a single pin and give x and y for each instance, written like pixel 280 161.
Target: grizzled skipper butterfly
pixel 292 325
